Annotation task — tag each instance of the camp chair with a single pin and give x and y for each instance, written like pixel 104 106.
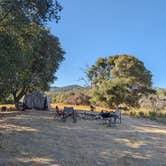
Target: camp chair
pixel 69 112
pixel 59 114
pixel 118 116
pixel 104 117
pixel 111 118
pixel 115 118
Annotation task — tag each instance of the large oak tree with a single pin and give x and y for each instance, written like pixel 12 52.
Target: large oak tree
pixel 119 79
pixel 29 54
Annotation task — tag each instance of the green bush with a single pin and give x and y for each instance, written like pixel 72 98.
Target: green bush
pixel 160 114
pixel 125 113
pixel 133 113
pixel 163 114
pixel 141 114
pixel 152 115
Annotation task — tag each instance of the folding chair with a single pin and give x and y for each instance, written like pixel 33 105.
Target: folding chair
pixel 59 114
pixel 69 112
pixel 116 116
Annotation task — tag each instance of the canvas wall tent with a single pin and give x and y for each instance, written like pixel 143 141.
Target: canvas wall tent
pixel 36 100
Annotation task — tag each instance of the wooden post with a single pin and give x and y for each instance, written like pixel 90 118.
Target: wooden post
pixel 74 116
pixel 110 122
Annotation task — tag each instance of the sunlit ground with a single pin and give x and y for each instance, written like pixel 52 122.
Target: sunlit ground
pixel 35 138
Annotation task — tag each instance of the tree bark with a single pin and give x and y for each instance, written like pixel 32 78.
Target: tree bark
pixel 17 98
pixel 16 101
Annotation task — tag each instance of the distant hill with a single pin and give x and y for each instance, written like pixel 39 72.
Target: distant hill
pixel 66 88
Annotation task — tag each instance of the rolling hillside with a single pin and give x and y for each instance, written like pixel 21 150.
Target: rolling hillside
pixel 66 88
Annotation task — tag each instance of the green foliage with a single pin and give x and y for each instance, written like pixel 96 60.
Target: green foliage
pixel 152 115
pixel 29 54
pixel 161 92
pixel 133 113
pixel 23 68
pixel 118 79
pixel 57 97
pixel 158 115
pixel 161 114
pixel 141 114
pixel 38 11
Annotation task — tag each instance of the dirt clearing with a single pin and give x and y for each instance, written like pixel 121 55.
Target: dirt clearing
pixel 34 138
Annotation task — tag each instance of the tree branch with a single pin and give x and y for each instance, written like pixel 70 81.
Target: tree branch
pixel 5 15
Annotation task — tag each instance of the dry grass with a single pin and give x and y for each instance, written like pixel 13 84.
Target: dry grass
pixel 6 105
pixel 132 112
pixel 61 106
pixel 78 107
pixel 145 113
pixel 34 138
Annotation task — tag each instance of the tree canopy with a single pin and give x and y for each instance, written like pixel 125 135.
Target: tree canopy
pixel 38 11
pixel 29 54
pixel 119 79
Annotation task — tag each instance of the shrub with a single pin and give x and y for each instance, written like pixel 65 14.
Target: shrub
pixel 125 113
pixel 160 114
pixel 133 113
pixel 152 114
pixel 141 114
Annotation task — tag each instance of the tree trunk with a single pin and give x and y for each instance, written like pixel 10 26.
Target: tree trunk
pixel 17 99
pixel 16 103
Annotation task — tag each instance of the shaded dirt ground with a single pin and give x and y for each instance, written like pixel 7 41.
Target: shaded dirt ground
pixel 34 138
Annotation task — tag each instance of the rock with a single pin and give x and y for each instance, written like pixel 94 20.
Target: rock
pixel 36 100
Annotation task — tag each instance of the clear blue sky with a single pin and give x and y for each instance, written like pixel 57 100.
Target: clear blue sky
pixel 89 29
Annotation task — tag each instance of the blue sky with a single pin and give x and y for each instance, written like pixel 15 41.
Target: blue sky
pixel 89 29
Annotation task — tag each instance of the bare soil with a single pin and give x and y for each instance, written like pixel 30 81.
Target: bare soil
pixel 34 138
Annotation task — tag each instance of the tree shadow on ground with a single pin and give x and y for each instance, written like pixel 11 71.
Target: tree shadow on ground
pixel 34 138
